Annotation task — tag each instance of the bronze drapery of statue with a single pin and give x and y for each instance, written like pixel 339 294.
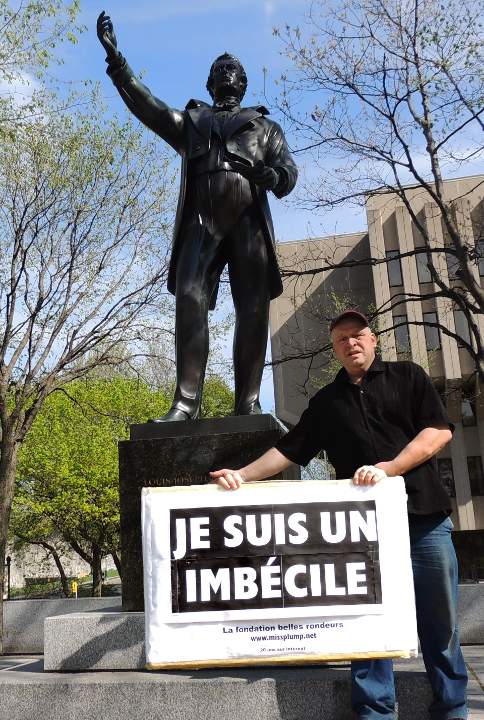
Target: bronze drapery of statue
pixel 231 157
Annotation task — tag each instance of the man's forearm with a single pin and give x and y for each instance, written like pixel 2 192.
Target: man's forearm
pixel 269 464
pixel 425 445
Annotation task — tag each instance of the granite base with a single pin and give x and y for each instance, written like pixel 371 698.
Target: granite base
pixel 180 453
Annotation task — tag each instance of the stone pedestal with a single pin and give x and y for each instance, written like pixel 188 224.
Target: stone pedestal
pixel 179 453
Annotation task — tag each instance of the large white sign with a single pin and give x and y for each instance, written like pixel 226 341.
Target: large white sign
pixel 277 572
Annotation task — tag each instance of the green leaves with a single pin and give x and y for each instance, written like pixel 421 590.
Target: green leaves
pixel 68 466
pixel 67 477
pixel 29 34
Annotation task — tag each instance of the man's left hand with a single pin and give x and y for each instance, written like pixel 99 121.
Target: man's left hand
pixel 369 474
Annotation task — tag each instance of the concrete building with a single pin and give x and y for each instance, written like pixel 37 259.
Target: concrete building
pixel 299 320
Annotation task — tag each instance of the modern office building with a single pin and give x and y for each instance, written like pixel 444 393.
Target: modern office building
pixel 299 319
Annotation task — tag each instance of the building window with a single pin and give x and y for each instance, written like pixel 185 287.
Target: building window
pixel 452 265
pixel 394 268
pixel 446 474
pixel 422 269
pixel 468 408
pixel 432 334
pixel 402 338
pixel 476 476
pixel 461 328
pixel 480 255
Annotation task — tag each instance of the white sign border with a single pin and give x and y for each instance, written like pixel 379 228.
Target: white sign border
pixel 398 636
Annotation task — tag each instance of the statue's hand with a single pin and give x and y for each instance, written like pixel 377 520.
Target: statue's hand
pixel 264 176
pixel 107 38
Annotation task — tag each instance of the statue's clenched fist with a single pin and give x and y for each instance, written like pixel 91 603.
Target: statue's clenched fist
pixel 107 38
pixel 262 175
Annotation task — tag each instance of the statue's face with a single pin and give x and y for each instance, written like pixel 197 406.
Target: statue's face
pixel 227 79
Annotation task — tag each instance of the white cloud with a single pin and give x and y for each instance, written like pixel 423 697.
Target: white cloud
pixel 19 91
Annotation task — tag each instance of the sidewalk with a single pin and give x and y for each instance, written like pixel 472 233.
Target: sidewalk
pixel 474 657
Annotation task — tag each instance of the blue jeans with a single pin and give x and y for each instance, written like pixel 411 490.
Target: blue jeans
pixel 435 578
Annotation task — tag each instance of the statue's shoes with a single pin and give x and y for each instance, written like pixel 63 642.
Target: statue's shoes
pixel 175 414
pixel 253 408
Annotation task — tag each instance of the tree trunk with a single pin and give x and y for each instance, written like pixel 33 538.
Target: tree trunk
pixel 77 548
pixel 8 467
pixel 117 562
pixel 65 583
pixel 97 576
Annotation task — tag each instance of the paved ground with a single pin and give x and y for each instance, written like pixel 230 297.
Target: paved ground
pixel 474 657
pixel 26 669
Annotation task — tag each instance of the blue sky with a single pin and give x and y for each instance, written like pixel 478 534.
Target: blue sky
pixel 174 43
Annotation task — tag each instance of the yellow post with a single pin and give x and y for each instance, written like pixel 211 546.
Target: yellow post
pixel 74 588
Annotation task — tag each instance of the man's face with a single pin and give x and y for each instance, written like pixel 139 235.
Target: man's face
pixel 354 345
pixel 226 79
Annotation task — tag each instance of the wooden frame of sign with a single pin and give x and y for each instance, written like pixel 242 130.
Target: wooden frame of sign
pixel 277 573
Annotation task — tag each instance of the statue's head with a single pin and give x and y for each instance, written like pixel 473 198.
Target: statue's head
pixel 227 78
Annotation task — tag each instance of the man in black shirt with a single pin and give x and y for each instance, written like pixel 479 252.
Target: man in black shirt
pixel 379 419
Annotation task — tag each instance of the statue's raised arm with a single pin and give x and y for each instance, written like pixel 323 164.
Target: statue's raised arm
pixel 154 113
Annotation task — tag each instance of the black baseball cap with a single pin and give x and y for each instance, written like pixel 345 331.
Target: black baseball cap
pixel 351 313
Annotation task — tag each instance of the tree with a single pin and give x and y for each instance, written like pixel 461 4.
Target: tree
pixel 67 480
pixel 68 466
pixel 396 99
pixel 33 528
pixel 30 31
pixel 85 211
pixel 217 399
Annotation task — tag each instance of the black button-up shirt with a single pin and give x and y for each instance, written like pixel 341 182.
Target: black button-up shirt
pixel 372 422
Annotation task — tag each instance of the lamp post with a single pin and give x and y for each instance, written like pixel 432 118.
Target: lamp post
pixel 8 561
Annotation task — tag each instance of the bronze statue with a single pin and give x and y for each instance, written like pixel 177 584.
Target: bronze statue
pixel 231 157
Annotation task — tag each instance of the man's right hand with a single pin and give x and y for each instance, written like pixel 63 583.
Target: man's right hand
pixel 228 479
pixel 107 38
pixel 369 475
pixel 271 463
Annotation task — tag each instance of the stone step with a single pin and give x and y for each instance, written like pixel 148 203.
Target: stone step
pixel 23 620
pixel 289 693
pixel 269 693
pixel 94 641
